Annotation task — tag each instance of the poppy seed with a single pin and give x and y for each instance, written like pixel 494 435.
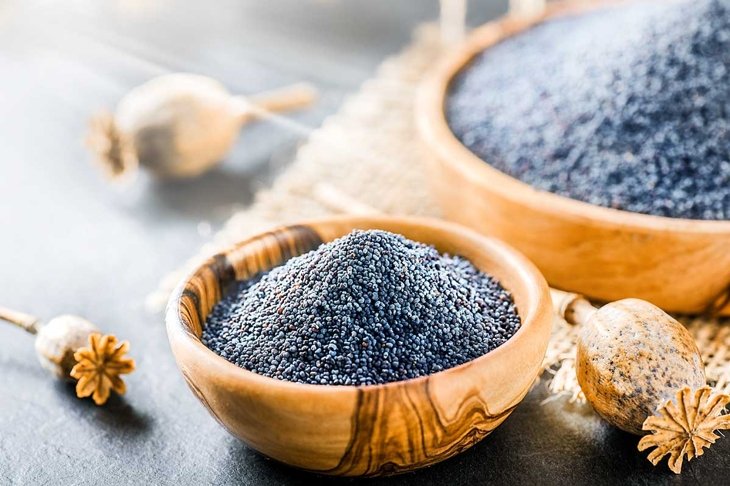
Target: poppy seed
pixel 626 107
pixel 371 307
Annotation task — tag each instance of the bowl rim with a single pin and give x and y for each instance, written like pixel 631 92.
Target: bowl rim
pixel 435 131
pixel 528 274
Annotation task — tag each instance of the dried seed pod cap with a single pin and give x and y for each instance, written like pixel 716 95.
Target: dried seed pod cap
pixel 179 125
pixel 58 340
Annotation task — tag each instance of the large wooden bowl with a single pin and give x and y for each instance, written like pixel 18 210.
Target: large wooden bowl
pixel 680 265
pixel 368 430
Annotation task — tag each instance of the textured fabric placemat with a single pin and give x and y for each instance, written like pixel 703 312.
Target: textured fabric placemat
pixel 367 158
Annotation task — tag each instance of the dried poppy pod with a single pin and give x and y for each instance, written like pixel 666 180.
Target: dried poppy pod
pixel 180 125
pixel 641 371
pixel 72 348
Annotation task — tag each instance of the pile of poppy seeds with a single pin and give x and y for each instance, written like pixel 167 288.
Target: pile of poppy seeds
pixel 627 107
pixel 371 307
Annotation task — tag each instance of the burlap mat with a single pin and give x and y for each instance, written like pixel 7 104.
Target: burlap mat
pixel 367 157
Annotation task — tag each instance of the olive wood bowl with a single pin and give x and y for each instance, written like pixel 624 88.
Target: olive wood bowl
pixel 680 265
pixel 367 430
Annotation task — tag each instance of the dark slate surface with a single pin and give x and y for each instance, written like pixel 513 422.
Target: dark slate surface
pixel 72 244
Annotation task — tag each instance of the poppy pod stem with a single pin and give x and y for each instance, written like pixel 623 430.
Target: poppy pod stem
pixel 24 321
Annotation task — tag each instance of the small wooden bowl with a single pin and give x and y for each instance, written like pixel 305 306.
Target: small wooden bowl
pixel 680 265
pixel 368 430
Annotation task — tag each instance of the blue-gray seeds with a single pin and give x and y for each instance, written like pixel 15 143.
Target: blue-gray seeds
pixel 371 307
pixel 626 107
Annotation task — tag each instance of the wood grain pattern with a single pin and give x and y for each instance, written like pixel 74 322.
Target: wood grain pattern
pixel 430 438
pixel 258 254
pixel 680 265
pixel 370 430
